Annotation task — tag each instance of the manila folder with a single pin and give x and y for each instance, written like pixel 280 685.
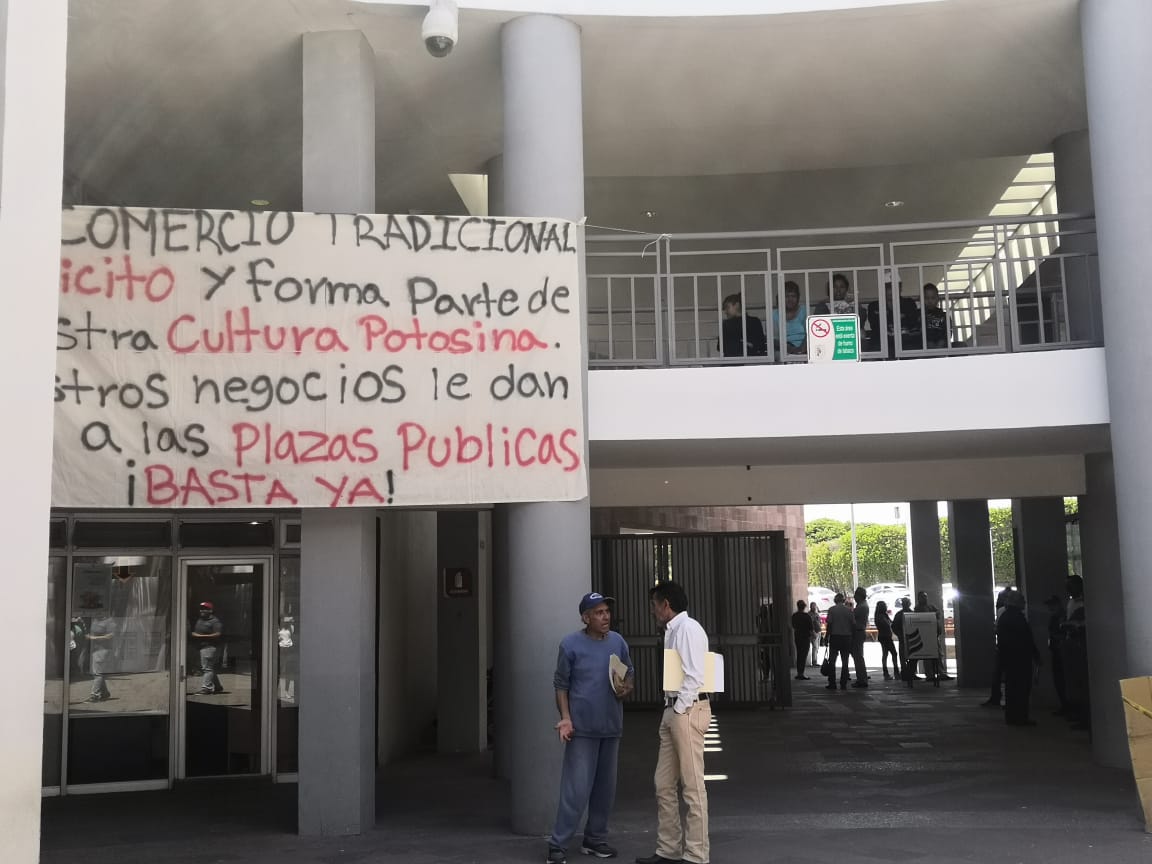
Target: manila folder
pixel 674 672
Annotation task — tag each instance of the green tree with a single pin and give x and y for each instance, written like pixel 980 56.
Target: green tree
pixel 880 553
pixel 1003 546
pixel 825 530
pixel 1071 506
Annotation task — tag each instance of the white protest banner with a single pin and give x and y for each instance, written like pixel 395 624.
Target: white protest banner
pixel 269 359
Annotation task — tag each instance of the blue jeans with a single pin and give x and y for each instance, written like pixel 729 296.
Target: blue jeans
pixel 588 780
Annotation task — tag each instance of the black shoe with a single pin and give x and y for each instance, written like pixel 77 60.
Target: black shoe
pixel 860 685
pixel 556 856
pixel 947 678
pixel 801 677
pixel 887 677
pixel 599 850
pixel 843 686
pixel 658 859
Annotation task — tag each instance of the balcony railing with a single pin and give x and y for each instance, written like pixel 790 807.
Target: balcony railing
pixel 1016 284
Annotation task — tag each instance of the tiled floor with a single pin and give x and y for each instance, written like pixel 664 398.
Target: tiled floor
pixel 854 776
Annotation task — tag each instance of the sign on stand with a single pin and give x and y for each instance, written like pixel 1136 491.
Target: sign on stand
pixel 833 337
pixel 215 359
pixel 920 635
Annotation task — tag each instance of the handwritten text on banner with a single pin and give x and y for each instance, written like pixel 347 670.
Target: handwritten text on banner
pixel 236 359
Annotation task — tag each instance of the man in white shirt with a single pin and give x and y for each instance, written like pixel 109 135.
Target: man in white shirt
pixel 687 715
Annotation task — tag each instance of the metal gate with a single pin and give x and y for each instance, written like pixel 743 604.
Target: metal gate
pixel 738 588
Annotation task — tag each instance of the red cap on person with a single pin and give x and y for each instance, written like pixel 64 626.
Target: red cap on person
pixel 207 605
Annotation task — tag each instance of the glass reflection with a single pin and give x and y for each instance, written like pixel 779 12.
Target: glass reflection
pixel 288 666
pixel 119 635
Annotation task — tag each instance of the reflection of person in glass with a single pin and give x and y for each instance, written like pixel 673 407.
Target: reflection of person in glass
pixel 100 635
pixel 207 634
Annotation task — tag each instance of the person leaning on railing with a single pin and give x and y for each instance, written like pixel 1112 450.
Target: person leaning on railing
pixel 796 321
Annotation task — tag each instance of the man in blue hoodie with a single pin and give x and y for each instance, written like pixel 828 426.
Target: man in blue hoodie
pixel 589 688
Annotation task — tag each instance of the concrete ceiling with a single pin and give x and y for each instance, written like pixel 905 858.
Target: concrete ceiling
pixel 851 449
pixel 716 124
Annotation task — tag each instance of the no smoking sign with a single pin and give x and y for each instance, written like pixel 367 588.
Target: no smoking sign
pixel 833 338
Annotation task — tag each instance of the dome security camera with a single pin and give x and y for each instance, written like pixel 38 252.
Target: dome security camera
pixel 441 27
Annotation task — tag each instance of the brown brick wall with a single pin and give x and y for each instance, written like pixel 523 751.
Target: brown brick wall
pixel 789 519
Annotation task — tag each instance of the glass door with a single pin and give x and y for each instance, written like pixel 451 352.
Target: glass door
pixel 223 699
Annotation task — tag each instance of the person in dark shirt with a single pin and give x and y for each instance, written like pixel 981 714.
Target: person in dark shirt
pixel 935 319
pixel 742 335
pixel 884 637
pixel 1017 651
pixel 859 634
pixel 1056 619
pixel 907 669
pixel 802 635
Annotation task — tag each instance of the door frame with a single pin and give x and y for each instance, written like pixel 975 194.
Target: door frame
pixel 179 677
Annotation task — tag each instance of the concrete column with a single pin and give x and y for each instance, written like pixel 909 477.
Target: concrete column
pixel 549 545
pixel 462 703
pixel 1041 569
pixel 337 780
pixel 503 716
pixel 975 605
pixel 1073 164
pixel 494 168
pixel 339 152
pixel 924 521
pixel 32 57
pixel 337 785
pixel 1118 78
pixel 1106 618
pixel 924 526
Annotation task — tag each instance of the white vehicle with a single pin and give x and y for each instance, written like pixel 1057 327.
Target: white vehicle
pixel 822 597
pixel 887 588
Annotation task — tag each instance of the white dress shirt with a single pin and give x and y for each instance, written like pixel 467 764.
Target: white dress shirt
pixel 687 638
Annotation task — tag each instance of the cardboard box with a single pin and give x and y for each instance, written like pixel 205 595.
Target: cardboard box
pixel 1137 695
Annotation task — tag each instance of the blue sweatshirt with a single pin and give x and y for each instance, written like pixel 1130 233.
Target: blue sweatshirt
pixel 582 670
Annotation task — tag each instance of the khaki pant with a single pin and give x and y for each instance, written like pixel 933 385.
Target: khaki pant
pixel 681 763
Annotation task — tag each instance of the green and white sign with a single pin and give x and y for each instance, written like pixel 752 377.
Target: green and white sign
pixel 833 337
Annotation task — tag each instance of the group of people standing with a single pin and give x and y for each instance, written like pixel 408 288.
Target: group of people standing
pixel 594 673
pixel 845 632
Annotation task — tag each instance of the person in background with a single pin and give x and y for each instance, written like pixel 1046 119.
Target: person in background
pixel 588 694
pixel 935 319
pixel 1056 618
pixel 859 633
pixel 207 634
pixel 884 637
pixel 907 667
pixel 840 626
pixel 1017 651
pixel 741 335
pixel 100 635
pixel 802 636
pixel 994 694
pixel 814 614
pixel 1075 655
pixel 795 321
pixel 932 668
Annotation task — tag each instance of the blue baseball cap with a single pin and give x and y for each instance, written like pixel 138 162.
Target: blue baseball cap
pixel 591 601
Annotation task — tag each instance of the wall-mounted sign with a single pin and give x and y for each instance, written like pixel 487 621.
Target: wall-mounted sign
pixel 458 582
pixel 230 359
pixel 833 338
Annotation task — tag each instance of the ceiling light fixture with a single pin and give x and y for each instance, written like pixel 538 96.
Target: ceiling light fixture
pixel 892 204
pixel 259 202
pixel 651 214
